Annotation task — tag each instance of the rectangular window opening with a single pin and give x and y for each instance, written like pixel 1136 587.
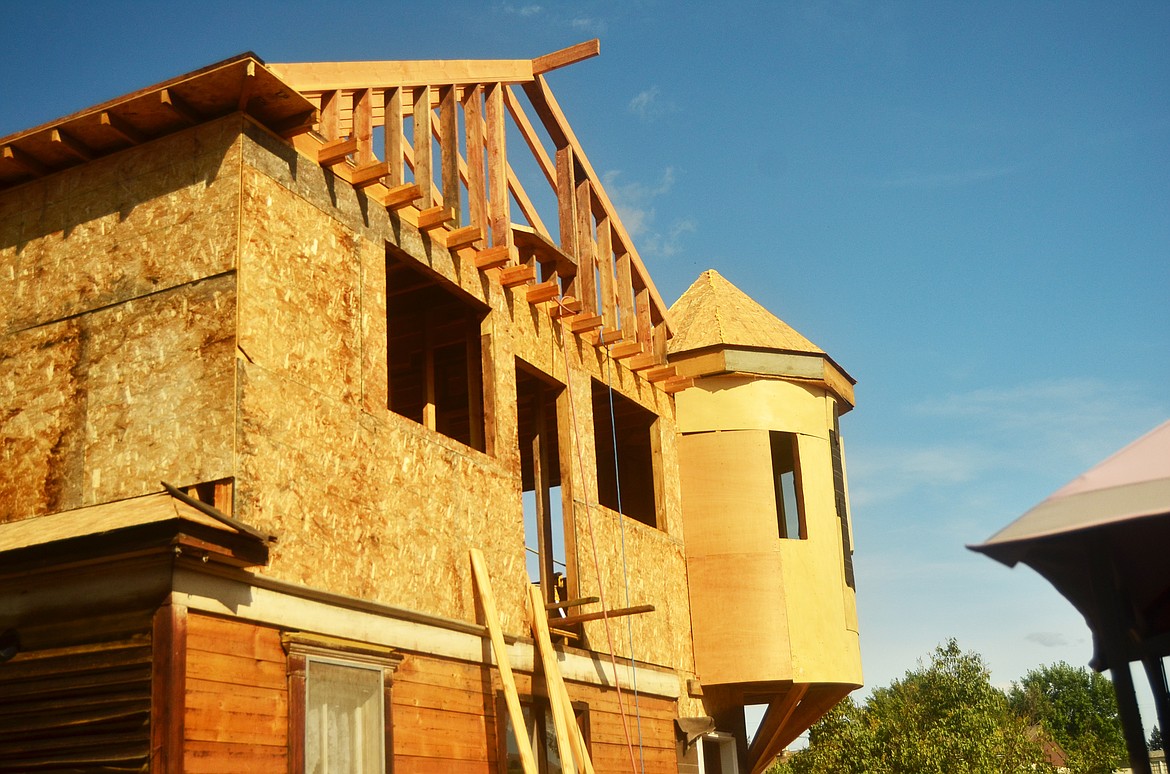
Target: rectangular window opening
pixel 626 484
pixel 546 554
pixel 841 500
pixel 790 519
pixel 434 354
pixel 543 737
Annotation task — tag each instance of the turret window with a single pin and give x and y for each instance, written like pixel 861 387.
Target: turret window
pixel 786 479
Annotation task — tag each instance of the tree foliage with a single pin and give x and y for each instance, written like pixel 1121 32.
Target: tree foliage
pixel 1155 742
pixel 945 716
pixel 1078 708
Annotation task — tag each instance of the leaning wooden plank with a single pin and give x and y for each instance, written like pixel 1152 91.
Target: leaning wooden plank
pixel 556 687
pixel 598 615
pixel 488 599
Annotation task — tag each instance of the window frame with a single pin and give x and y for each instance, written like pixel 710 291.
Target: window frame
pixel 302 649
pixel 604 463
pixel 543 724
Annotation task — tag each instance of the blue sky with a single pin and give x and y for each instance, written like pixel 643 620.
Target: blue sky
pixel 967 205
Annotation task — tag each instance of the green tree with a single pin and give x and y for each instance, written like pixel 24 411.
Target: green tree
pixel 944 717
pixel 1078 709
pixel 1155 742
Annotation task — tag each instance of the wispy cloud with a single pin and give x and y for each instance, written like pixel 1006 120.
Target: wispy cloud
pixel 636 200
pixel 589 24
pixel 1048 639
pixel 1037 428
pixel 523 10
pixel 955 179
pixel 644 101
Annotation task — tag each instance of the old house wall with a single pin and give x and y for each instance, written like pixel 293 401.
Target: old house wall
pixel 117 327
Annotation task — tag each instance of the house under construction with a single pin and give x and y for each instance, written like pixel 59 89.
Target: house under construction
pixel 329 442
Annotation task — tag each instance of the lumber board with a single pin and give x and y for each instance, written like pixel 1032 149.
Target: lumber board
pixel 642 362
pixel 493 257
pixel 545 291
pixel 473 128
pixel 566 56
pixel 584 322
pixel 330 120
pixel 370 174
pixel 449 150
pixel 517 275
pixel 558 697
pixel 423 175
pixel 617 612
pixel 497 160
pixel 322 76
pixel 604 338
pixel 433 218
pixel 661 374
pixel 336 151
pixel 392 138
pixel 487 600
pixel 678 384
pixel 468 236
pixel 571 603
pixel 363 127
pixel 216 757
pixel 400 196
pixel 567 306
pixel 626 349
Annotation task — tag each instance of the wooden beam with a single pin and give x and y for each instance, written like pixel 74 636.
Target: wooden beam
pixel 572 603
pixel 336 151
pixel 487 600
pixel 626 349
pixel 545 291
pixel 625 292
pixel 473 128
pixel 71 144
pixel 605 337
pixel 123 128
pixel 392 135
pixel 179 107
pixel 433 217
pixel 567 306
pixel 401 196
pixel 363 127
pixel 585 322
pixel 324 76
pixel 566 56
pixel 370 174
pixel 572 620
pixel 677 384
pixel 449 150
pixel 330 124
pixel 517 275
pixel 642 362
pixel 24 160
pixel 605 273
pixel 423 175
pixel 493 258
pixel 497 160
pixel 468 236
pixel 661 374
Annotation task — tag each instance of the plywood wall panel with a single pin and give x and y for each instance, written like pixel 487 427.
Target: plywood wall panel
pixel 42 420
pixel 133 223
pixel 159 391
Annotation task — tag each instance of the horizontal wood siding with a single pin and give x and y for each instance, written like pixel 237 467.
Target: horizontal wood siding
pixel 82 707
pixel 236 697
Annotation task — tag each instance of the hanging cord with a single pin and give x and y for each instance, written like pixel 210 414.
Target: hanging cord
pixel 617 477
pixel 596 562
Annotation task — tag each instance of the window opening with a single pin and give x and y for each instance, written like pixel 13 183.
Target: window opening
pixel 546 554
pixel 634 442
pixel 435 357
pixel 841 499
pixel 542 734
pixel 790 519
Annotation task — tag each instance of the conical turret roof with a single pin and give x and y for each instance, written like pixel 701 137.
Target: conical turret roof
pixel 714 312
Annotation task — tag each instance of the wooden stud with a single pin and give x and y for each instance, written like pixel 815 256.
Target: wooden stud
pixel 586 261
pixel 363 127
pixel 497 160
pixel 336 151
pixel 168 688
pixel 468 236
pixel 370 174
pixel 584 322
pixel 449 151
pixel 329 126
pixel 401 196
pixel 473 127
pixel 392 135
pixel 567 203
pixel 122 128
pixel 626 349
pixel 517 275
pixel 605 273
pixel 423 175
pixel 179 107
pixel 545 291
pixel 487 599
pixel 493 258
pixel 661 374
pixel 71 144
pixel 433 218
pixel 625 292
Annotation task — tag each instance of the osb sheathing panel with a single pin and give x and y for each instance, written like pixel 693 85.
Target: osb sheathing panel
pixel 148 218
pixel 105 405
pixel 372 504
